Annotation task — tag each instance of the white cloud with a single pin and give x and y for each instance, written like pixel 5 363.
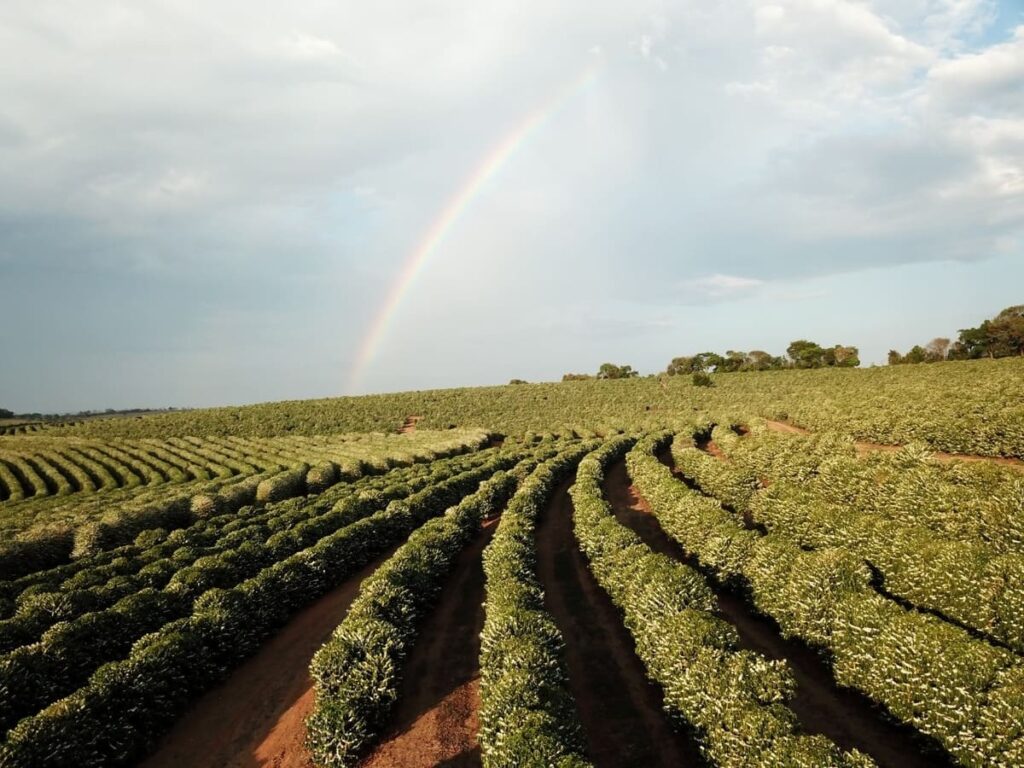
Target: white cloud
pixel 719 287
pixel 749 144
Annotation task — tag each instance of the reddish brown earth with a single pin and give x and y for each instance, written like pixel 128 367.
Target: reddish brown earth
pixel 409 425
pixel 786 427
pixel 620 709
pixel 704 442
pixel 257 716
pixel 846 717
pixel 436 719
pixel 866 447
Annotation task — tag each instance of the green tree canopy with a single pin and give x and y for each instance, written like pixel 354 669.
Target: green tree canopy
pixel 612 371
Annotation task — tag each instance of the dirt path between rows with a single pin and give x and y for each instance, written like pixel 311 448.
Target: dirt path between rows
pixel 845 716
pixel 864 447
pixel 257 716
pixel 702 441
pixel 409 425
pixel 436 722
pixel 620 709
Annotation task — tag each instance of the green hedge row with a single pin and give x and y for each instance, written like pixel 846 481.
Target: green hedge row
pixel 34 675
pixel 66 592
pixel 733 701
pixel 527 715
pixel 357 673
pixel 126 704
pixel 825 496
pixel 964 692
pixel 117 519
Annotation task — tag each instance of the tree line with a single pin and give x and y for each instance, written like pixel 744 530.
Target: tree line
pixel 1002 336
pixel 799 354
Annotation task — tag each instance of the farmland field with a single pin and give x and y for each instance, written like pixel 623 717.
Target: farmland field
pixel 789 568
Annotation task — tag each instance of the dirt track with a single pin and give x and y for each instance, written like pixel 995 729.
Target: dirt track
pixel 866 447
pixel 621 710
pixel 257 716
pixel 846 717
pixel 436 719
pixel 409 425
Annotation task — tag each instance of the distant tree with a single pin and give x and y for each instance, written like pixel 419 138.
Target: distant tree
pixel 519 381
pixel 681 365
pixel 758 360
pixel 733 361
pixel 702 379
pixel 612 371
pixel 917 354
pixel 6 414
pixel 895 358
pixel 937 349
pixel 1006 333
pixel 845 357
pixel 972 343
pixel 709 361
pixel 806 354
pixel 576 377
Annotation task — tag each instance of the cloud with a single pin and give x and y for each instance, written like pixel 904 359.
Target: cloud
pixel 718 287
pixel 187 166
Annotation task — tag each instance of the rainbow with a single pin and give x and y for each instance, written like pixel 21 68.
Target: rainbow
pixel 452 212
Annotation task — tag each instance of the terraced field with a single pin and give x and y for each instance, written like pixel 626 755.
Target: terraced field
pixel 661 576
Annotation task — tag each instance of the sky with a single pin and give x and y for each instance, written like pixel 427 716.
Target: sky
pixel 219 203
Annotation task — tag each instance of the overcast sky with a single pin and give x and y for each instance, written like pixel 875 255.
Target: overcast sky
pixel 207 203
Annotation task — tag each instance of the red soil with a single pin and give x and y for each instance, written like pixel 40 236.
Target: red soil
pixel 620 709
pixel 257 716
pixel 704 443
pixel 864 447
pixel 436 719
pixel 782 426
pixel 409 425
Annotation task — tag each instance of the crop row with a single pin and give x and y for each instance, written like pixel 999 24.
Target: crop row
pixel 158 557
pixel 527 714
pixel 733 701
pixel 979 501
pixel 966 407
pixel 832 501
pixel 43 466
pixel 34 675
pixel 964 692
pixel 356 674
pixel 58 591
pixel 125 704
pixel 85 528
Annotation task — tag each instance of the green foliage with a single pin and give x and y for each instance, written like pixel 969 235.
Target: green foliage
pixel 733 700
pixel 612 371
pixel 357 672
pixel 527 716
pixel 235 599
pixel 928 672
pixel 701 379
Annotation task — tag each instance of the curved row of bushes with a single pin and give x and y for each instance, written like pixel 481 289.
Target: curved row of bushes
pixel 356 674
pixel 527 714
pixel 733 701
pixel 44 597
pixel 34 675
pixel 825 496
pixel 47 545
pixel 964 692
pixel 126 704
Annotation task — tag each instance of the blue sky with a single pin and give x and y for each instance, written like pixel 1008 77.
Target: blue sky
pixel 204 206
